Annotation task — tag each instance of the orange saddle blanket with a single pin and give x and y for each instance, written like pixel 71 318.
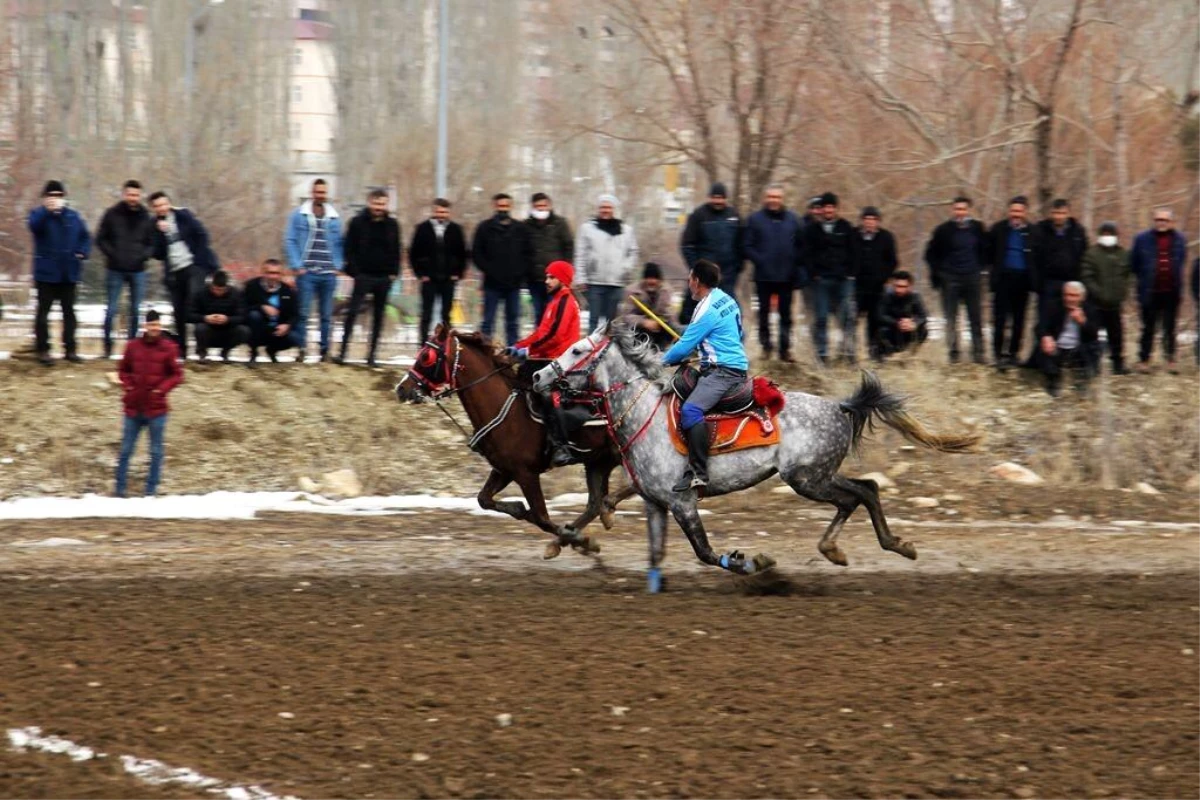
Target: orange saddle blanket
pixel 754 427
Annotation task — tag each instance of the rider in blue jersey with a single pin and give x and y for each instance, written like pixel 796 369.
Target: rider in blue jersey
pixel 715 333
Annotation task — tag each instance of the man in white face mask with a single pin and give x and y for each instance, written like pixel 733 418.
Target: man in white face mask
pixel 1106 275
pixel 552 241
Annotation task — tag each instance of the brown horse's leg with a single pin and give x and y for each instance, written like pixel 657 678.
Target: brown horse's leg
pixel 611 501
pixel 495 484
pixel 531 485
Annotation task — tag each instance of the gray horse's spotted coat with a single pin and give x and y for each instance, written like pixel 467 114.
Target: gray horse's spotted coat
pixel 815 436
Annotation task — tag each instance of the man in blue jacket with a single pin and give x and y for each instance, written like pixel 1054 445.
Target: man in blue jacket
pixel 61 243
pixel 1156 259
pixel 181 244
pixel 714 233
pixel 771 242
pixel 715 333
pixel 314 252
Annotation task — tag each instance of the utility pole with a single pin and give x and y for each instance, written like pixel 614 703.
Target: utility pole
pixel 443 91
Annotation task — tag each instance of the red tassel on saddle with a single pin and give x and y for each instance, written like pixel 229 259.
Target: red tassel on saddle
pixel 768 396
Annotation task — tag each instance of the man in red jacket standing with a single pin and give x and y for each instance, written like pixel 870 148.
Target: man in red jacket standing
pixel 556 332
pixel 149 370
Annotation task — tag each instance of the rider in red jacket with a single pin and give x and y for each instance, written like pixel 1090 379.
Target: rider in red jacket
pixel 558 328
pixel 556 332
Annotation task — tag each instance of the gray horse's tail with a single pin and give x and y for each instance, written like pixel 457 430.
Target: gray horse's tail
pixel 871 401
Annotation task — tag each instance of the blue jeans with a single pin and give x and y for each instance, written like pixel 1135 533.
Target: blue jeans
pixel 129 437
pixel 323 285
pixel 114 282
pixel 512 312
pixel 603 302
pixel 834 296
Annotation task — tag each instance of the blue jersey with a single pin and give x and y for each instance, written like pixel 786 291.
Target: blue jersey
pixel 715 332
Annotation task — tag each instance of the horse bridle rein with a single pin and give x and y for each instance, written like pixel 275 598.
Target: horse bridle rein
pixel 446 385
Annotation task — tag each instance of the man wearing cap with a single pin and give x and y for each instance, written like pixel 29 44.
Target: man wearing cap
pixel 552 241
pixel 714 233
pixel 557 330
pixel 1105 275
pixel 831 252
pixel 61 243
pixel 651 293
pixel 149 370
pixel 606 253
pixel 877 261
pixel 772 244
pixel 956 254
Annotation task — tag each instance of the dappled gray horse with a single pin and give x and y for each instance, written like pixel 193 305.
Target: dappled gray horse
pixel 626 377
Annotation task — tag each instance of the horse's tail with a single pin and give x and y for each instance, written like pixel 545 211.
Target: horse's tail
pixel 871 401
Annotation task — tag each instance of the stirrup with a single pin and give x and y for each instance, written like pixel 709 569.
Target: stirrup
pixel 562 457
pixel 688 482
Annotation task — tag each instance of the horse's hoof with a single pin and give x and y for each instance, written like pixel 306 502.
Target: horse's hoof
pixel 762 562
pixel 606 519
pixel 906 549
pixel 656 582
pixel 835 555
pixel 552 550
pixel 587 546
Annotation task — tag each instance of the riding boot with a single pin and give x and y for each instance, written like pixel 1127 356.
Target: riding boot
pixel 561 454
pixel 696 476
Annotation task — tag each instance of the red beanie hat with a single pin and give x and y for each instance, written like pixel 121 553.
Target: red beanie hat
pixel 561 271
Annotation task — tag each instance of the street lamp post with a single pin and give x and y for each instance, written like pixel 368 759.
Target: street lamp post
pixel 443 86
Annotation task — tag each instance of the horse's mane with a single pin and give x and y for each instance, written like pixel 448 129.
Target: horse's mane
pixel 479 341
pixel 641 353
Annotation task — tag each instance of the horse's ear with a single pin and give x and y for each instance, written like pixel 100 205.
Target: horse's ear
pixel 440 332
pixel 602 328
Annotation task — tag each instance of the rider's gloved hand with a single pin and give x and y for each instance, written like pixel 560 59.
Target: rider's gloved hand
pixel 517 352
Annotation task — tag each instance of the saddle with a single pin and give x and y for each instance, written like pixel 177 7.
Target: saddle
pixel 758 400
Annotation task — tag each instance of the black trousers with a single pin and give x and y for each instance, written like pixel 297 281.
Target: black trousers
pixel 262 334
pixel 47 294
pixel 378 287
pixel 222 337
pixel 1110 320
pixel 893 340
pixel 432 291
pixel 1086 357
pixel 181 285
pixel 1164 306
pixel 784 291
pixel 965 290
pixel 868 304
pixel 1009 302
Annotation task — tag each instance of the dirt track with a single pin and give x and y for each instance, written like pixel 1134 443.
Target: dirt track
pixel 1027 661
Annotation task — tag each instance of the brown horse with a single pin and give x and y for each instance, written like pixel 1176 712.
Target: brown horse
pixel 507 434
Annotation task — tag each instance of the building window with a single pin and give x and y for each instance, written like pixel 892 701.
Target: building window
pixel 297 94
pixel 298 57
pixel 296 130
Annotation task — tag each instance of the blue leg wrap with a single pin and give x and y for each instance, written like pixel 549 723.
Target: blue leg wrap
pixel 690 416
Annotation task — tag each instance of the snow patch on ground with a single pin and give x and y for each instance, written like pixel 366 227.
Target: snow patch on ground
pixel 224 505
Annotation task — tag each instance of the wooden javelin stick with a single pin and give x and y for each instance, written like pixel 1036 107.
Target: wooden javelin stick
pixel 662 323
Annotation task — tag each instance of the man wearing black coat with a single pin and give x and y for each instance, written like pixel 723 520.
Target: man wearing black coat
pixel 552 241
pixel 714 233
pixel 438 255
pixel 271 312
pixel 1068 336
pixel 1013 256
pixel 830 253
pixel 181 244
pixel 957 254
pixel 1062 241
pixel 126 237
pixel 219 315
pixel 371 248
pixel 903 320
pixel 503 251
pixel 877 261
